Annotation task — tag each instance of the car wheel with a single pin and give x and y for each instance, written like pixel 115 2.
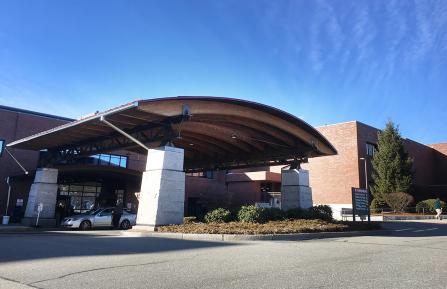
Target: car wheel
pixel 125 225
pixel 85 225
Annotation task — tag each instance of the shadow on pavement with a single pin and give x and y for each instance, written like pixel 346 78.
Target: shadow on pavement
pixel 31 247
pixel 416 228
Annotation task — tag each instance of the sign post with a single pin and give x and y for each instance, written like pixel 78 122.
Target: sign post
pixel 360 203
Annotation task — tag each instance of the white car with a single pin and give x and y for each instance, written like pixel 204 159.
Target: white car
pixel 99 218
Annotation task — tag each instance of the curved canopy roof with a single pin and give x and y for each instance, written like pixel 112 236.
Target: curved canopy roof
pixel 215 132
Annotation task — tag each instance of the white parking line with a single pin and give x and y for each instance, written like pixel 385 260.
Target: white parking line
pixel 400 230
pixel 425 230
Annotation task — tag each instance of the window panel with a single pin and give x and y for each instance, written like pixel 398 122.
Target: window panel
pixel 105 159
pixel 123 162
pixel 2 146
pixel 370 149
pixel 115 160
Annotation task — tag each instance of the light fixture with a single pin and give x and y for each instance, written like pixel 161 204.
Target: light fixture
pixel 233 136
pixel 191 144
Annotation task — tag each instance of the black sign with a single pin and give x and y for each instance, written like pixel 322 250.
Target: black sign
pixel 360 202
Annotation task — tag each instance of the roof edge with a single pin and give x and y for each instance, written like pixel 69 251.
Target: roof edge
pixel 32 112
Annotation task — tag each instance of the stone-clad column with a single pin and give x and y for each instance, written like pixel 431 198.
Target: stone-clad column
pixel 162 194
pixel 295 190
pixel 43 190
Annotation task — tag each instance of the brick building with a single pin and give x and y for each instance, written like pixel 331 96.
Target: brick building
pixel 101 179
pixel 331 178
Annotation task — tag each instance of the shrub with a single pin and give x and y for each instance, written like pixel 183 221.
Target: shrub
pixel 252 214
pixel 376 206
pixel 428 206
pixel 398 201
pixel 189 220
pixel 298 213
pixel 234 211
pixel 323 212
pixel 219 215
pixel 275 214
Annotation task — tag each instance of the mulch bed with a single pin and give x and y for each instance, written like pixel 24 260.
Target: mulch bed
pixel 273 227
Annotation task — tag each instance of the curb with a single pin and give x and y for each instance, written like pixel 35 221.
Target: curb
pixel 266 237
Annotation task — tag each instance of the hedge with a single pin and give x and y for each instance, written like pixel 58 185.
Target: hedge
pixel 428 206
pixel 253 214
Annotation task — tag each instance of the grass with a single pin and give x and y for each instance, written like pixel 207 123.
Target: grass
pixel 273 227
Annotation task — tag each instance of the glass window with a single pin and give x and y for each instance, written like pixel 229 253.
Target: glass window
pixel 109 160
pixel 75 188
pixel 115 160
pixel 370 149
pixel 90 189
pixel 123 162
pixel 106 212
pixel 209 174
pixel 88 203
pixel 2 146
pixel 105 159
pixel 75 203
pixel 82 196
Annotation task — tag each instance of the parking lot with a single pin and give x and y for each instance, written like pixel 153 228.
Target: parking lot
pixel 408 256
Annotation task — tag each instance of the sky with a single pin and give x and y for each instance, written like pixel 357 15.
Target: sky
pixel 323 61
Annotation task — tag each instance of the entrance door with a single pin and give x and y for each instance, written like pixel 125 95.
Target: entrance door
pixel 104 219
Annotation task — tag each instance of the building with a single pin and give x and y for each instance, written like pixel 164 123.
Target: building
pixel 101 179
pixel 332 178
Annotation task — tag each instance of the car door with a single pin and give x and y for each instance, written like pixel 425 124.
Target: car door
pixel 104 218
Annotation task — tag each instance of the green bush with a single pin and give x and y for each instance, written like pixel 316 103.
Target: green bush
pixel 234 211
pixel 323 212
pixel 298 213
pixel 428 206
pixel 275 214
pixel 252 214
pixel 219 215
pixel 376 206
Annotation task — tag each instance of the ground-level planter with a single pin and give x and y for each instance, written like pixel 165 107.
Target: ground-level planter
pixel 263 237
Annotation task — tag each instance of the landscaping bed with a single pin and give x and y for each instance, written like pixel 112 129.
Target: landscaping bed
pixel 271 227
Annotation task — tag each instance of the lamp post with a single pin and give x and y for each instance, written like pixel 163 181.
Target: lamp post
pixel 366 174
pixel 366 187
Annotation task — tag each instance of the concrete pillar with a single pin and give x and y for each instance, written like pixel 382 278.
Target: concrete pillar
pixel 295 190
pixel 43 190
pixel 162 195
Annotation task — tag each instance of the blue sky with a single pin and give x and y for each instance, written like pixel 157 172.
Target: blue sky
pixel 324 61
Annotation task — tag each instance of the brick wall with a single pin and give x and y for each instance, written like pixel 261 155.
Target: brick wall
pixel 440 159
pixel 15 125
pixel 332 177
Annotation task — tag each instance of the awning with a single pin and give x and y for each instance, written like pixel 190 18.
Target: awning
pixel 215 132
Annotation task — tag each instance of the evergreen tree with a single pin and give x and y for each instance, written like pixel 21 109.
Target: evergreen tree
pixel 391 165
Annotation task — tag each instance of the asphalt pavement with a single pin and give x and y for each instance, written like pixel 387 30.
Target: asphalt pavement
pixel 412 256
